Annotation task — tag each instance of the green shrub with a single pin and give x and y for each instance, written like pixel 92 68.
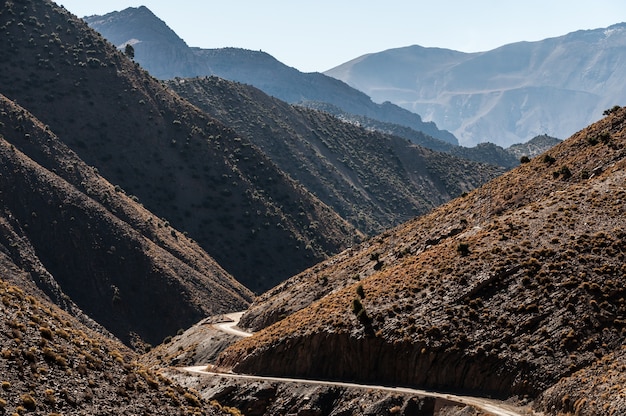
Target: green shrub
pixel 360 291
pixel 463 249
pixel 611 110
pixel 548 159
pixel 28 402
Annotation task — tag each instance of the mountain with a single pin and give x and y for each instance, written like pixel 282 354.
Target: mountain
pixel 514 289
pixel 166 56
pixel 189 170
pixel 373 180
pixel 507 95
pixel 94 250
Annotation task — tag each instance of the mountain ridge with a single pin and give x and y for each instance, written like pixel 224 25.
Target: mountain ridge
pixel 258 68
pixel 373 180
pixel 498 291
pixel 555 86
pixel 188 169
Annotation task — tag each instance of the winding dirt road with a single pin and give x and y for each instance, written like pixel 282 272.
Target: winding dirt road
pixel 231 327
pixel 492 407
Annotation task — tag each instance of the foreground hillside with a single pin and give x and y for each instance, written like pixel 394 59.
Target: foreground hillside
pixel 52 364
pixel 506 95
pixel 504 292
pixel 187 168
pixel 373 180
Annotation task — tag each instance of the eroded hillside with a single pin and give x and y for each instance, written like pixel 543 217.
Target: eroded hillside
pixel 87 243
pixel 52 364
pixel 504 291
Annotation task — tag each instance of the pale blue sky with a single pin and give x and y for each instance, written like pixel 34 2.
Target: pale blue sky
pixel 321 34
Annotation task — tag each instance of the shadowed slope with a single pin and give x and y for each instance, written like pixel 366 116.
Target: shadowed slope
pixel 184 166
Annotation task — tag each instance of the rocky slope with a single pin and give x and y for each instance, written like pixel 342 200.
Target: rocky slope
pixel 52 364
pixel 507 95
pixel 166 56
pixel 185 167
pixel 504 291
pixel 374 181
pixel 88 244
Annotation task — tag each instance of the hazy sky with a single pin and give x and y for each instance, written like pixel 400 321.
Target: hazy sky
pixel 321 34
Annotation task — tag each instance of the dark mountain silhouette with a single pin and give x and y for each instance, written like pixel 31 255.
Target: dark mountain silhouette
pixel 166 56
pixel 188 169
pixel 507 95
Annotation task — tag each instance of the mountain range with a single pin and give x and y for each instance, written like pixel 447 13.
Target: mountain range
pixel 136 214
pixel 506 95
pixel 165 55
pixel 374 181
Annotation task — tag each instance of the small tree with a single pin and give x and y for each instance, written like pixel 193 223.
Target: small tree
pixel 463 249
pixel 360 291
pixel 129 51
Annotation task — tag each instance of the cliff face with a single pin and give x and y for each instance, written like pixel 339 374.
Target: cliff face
pixel 506 290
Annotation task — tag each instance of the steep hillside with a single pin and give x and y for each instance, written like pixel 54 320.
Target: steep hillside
pixel 504 291
pixel 373 180
pixel 185 167
pixel 86 243
pixel 507 95
pixel 166 56
pixel 51 364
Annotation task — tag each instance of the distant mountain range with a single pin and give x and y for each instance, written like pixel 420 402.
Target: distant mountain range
pixel 165 55
pixel 507 95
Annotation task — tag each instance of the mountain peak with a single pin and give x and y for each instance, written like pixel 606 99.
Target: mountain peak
pixel 146 27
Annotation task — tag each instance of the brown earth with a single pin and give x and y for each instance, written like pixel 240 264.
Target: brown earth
pixel 504 291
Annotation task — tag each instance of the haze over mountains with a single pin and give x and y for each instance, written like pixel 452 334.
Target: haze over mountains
pixel 507 95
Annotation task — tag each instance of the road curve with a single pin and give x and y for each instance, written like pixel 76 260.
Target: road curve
pixel 231 326
pixel 492 407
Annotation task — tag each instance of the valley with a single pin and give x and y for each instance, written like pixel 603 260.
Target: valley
pixel 152 229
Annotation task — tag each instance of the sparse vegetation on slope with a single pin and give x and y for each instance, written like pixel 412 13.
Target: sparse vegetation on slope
pixel 373 180
pixel 535 296
pixel 89 243
pixel 192 172
pixel 52 364
pixel 166 56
